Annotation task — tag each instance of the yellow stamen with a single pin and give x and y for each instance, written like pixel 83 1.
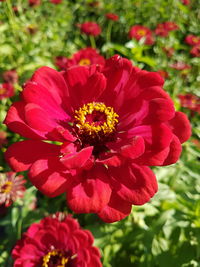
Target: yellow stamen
pixel 91 128
pixel 2 90
pixel 6 187
pixel 84 62
pixel 46 259
pixel 141 32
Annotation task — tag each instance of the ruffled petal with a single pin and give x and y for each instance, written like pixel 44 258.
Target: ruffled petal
pixel 53 81
pixel 135 184
pixel 15 120
pixel 116 210
pixel 22 155
pixel 49 176
pixel 174 152
pixel 90 192
pixel 180 126
pixel 85 82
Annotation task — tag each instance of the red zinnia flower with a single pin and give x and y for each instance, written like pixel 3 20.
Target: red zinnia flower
pixel 138 32
pixel 190 101
pixel 56 240
pixel 11 187
pixel 112 16
pixel 84 57
pixel 90 28
pixel 6 90
pixel 34 2
pixel 192 40
pixel 56 1
pixel 163 29
pixel 186 2
pixel 110 124
pixel 10 76
pixel 195 51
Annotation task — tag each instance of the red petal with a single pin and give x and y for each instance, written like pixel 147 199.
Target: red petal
pixel 53 81
pixel 15 120
pixel 49 176
pixel 116 210
pixel 22 155
pixel 175 151
pixel 135 184
pixel 160 110
pixel 134 148
pixel 180 126
pixel 76 160
pixel 85 83
pixel 90 192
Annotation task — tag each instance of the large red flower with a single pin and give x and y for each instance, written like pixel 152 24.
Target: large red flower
pixel 109 125
pixel 56 241
pixel 138 32
pixel 84 57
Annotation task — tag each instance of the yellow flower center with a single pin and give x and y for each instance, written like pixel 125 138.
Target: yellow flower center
pixel 195 39
pixel 54 258
pixel 84 62
pixel 95 121
pixel 141 32
pixel 2 90
pixel 6 187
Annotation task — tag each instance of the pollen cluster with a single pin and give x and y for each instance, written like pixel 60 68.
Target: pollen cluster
pixel 96 120
pixel 55 256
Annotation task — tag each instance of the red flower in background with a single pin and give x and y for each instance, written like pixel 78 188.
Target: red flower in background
pixel 56 240
pixel 195 51
pixel 110 123
pixel 10 76
pixel 84 57
pixel 11 188
pixel 34 2
pixel 163 29
pixel 112 16
pixel 6 90
pixel 90 28
pixel 61 62
pixel 186 2
pixel 180 66
pixel 190 101
pixel 192 40
pixel 138 32
pixel 56 1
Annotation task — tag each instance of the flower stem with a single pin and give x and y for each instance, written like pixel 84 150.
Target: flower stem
pixel 92 41
pixel 109 30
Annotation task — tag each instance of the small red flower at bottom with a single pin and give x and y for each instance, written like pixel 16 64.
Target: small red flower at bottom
pixel 56 241
pixel 11 187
